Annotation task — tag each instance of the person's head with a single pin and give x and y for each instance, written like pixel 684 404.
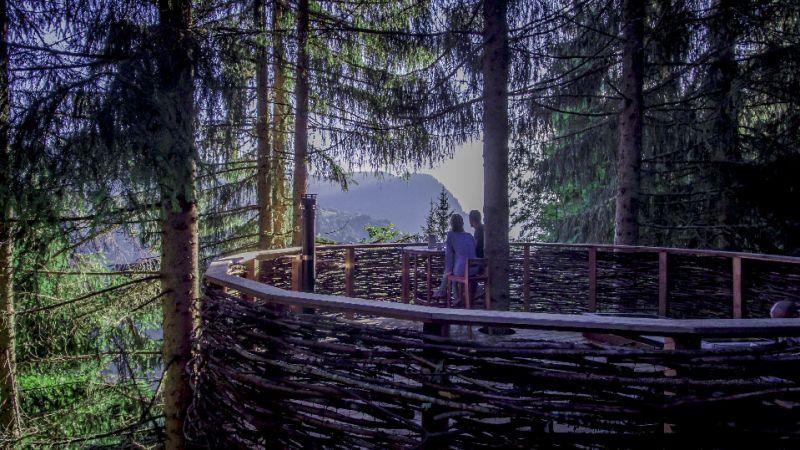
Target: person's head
pixel 784 309
pixel 457 222
pixel 474 218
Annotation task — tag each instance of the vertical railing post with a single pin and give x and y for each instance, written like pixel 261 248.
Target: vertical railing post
pixel 739 309
pixel 251 269
pixel 592 306
pixel 526 270
pixel 405 277
pixel 349 272
pixel 663 284
pixel 296 272
pixel 429 278
pixel 250 273
pixel 414 278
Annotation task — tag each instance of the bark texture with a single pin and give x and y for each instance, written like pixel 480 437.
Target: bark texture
pixel 300 179
pixel 629 154
pixel 179 245
pixel 279 127
pixel 722 141
pixel 9 406
pixel 496 60
pixel 263 143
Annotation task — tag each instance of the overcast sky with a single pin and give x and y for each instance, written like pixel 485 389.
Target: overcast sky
pixel 463 175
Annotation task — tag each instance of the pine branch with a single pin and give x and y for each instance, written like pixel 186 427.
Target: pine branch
pixel 90 295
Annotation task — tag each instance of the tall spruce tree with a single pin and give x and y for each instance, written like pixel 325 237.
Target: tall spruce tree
pixel 301 99
pixel 441 215
pixel 64 280
pixel 179 240
pixel 279 123
pixel 9 405
pixel 723 150
pixel 496 65
pixel 629 155
pixel 262 125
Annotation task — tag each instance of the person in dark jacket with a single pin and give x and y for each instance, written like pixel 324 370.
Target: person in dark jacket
pixel 475 223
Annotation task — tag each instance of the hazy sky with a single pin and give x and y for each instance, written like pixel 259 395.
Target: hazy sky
pixel 463 175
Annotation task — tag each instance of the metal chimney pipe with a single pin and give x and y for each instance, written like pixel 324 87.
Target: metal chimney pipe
pixel 308 203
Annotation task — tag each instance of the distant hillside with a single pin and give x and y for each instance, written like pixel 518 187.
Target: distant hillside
pixel 344 226
pixel 404 203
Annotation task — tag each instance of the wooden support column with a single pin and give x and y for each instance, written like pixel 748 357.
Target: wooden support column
pixel 677 343
pixel 430 424
pixel 681 343
pixel 349 272
pixel 739 307
pixel 663 284
pixel 526 271
pixel 592 306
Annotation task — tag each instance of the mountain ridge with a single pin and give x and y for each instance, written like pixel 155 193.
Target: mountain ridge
pixel 402 202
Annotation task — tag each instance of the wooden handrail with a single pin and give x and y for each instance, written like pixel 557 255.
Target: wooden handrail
pixel 663 255
pixel 266 254
pixel 671 250
pixel 217 274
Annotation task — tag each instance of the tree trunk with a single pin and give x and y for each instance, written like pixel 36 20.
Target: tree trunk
pixel 279 104
pixel 179 240
pixel 629 156
pixel 279 198
pixel 496 61
pixel 722 141
pixel 9 406
pixel 264 148
pixel 300 179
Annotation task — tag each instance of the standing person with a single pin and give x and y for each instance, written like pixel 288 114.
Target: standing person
pixel 475 223
pixel 459 245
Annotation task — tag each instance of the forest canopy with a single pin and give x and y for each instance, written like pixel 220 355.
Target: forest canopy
pixel 141 140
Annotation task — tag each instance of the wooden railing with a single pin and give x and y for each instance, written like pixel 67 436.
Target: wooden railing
pixel 678 330
pixel 271 376
pixel 574 278
pixel 737 259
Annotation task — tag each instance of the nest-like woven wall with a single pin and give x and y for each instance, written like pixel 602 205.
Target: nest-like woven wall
pixel 268 380
pixel 699 286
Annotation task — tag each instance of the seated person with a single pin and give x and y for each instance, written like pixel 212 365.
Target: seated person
pixel 475 223
pixel 459 245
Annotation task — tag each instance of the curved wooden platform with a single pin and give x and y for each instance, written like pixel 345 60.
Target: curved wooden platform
pixel 218 274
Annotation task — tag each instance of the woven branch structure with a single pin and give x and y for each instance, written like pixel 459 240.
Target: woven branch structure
pixel 265 377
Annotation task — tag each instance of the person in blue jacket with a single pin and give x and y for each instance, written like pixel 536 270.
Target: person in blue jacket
pixel 459 245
